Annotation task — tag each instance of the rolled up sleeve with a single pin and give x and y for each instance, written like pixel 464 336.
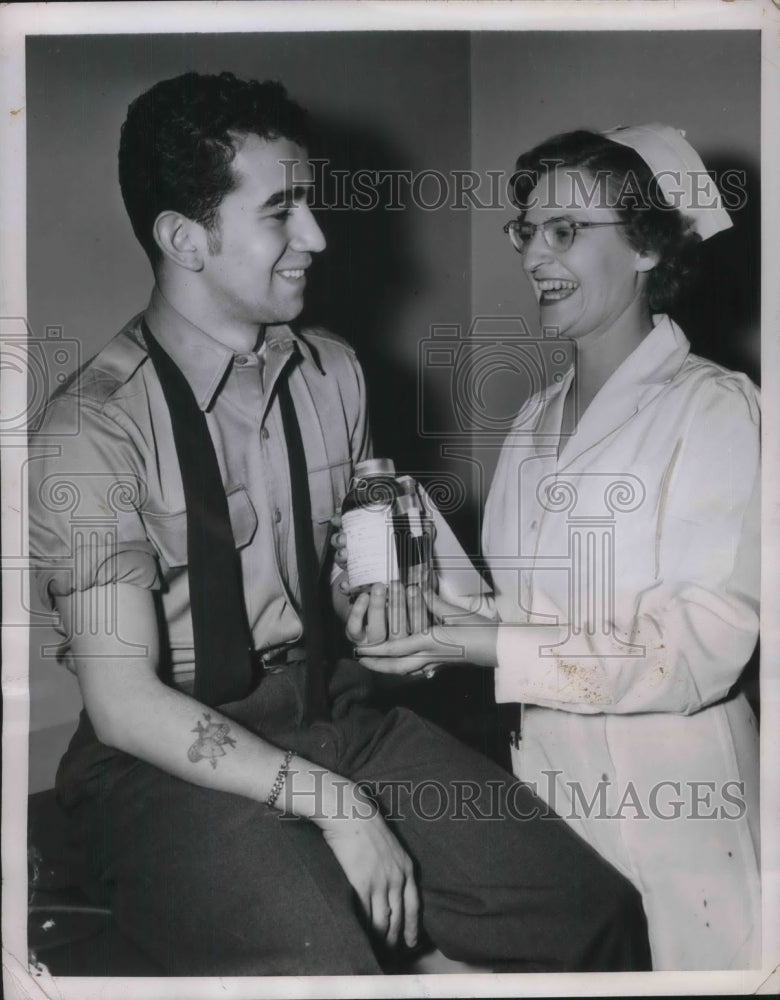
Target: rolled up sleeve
pixel 86 489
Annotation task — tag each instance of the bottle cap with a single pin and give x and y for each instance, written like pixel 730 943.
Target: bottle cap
pixel 407 485
pixel 375 467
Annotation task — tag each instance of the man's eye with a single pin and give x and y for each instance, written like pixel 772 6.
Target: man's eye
pixel 282 214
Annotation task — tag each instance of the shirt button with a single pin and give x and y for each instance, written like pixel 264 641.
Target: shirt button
pixel 277 515
pixel 534 525
pixel 265 433
pixel 241 360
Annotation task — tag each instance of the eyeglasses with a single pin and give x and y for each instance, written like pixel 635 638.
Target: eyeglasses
pixel 558 233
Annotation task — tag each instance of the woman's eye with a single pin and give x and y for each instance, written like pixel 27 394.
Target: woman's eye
pixel 561 231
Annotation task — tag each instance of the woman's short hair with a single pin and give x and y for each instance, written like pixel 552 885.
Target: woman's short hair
pixel 653 225
pixel 179 140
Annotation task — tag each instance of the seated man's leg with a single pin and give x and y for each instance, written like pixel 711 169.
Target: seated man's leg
pixel 504 882
pixel 209 883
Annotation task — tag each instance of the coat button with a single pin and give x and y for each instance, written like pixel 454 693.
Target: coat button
pixel 277 515
pixel 265 433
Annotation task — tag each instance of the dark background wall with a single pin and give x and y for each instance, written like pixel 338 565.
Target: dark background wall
pixel 400 101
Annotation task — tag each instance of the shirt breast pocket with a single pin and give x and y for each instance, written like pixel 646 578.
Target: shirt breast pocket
pixel 168 531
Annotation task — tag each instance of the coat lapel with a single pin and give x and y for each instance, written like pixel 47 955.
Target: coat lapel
pixel 632 386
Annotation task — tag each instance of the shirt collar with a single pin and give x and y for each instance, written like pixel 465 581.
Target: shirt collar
pixel 632 385
pixel 653 363
pixel 656 360
pixel 202 360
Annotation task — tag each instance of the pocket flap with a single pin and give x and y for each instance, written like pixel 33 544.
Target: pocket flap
pixel 168 532
pixel 243 517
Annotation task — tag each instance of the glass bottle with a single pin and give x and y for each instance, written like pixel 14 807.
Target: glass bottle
pixel 367 519
pixel 413 533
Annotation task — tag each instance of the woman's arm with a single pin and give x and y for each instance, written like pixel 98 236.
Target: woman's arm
pixel 693 628
pixel 695 624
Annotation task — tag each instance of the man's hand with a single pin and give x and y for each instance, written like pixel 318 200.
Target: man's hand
pixel 379 870
pixel 338 541
pixel 339 587
pixel 387 613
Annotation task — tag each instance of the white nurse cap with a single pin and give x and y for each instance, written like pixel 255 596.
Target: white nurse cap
pixel 680 174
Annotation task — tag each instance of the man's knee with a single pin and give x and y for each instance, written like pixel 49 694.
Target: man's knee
pixel 612 927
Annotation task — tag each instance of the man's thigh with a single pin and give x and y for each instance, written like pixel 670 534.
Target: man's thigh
pixel 210 883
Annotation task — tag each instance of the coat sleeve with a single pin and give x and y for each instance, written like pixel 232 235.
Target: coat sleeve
pixel 696 624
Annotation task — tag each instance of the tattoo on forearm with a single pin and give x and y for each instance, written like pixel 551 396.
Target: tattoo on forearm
pixel 211 742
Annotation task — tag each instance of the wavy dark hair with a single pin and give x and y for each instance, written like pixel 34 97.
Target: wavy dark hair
pixel 653 225
pixel 179 140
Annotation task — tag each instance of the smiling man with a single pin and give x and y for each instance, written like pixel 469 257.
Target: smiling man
pixel 243 808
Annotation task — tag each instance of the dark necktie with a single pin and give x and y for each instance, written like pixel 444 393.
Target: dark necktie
pixel 309 579
pixel 223 662
pixel 223 659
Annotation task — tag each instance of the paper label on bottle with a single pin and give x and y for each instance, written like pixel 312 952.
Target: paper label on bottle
pixel 371 551
pixel 415 523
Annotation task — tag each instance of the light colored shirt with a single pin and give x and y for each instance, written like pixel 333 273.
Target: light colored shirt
pixel 106 496
pixel 626 573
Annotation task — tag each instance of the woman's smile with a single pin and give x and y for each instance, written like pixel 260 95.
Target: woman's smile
pixel 550 290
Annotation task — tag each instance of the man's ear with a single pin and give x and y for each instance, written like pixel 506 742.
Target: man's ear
pixel 179 240
pixel 646 260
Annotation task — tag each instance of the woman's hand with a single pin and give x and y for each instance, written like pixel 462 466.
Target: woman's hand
pixel 417 630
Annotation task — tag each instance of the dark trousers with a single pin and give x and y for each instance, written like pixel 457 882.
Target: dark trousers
pixel 209 883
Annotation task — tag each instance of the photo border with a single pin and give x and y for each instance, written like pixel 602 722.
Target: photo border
pixel 19 20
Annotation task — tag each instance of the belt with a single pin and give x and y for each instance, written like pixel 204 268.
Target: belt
pixel 516 720
pixel 277 658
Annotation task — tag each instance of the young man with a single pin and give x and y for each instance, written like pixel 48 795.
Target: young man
pixel 207 447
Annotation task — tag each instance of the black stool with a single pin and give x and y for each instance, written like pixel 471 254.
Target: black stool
pixel 65 930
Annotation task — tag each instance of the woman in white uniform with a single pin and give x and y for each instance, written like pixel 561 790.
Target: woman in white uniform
pixel 621 531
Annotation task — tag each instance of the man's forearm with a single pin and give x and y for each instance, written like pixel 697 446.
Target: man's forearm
pixel 172 731
pixel 132 710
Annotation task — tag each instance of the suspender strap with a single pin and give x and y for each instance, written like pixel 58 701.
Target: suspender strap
pixel 307 559
pixel 223 666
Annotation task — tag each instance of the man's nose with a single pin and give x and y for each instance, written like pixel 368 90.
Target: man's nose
pixel 306 234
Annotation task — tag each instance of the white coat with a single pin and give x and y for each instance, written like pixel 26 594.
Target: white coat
pixel 626 574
